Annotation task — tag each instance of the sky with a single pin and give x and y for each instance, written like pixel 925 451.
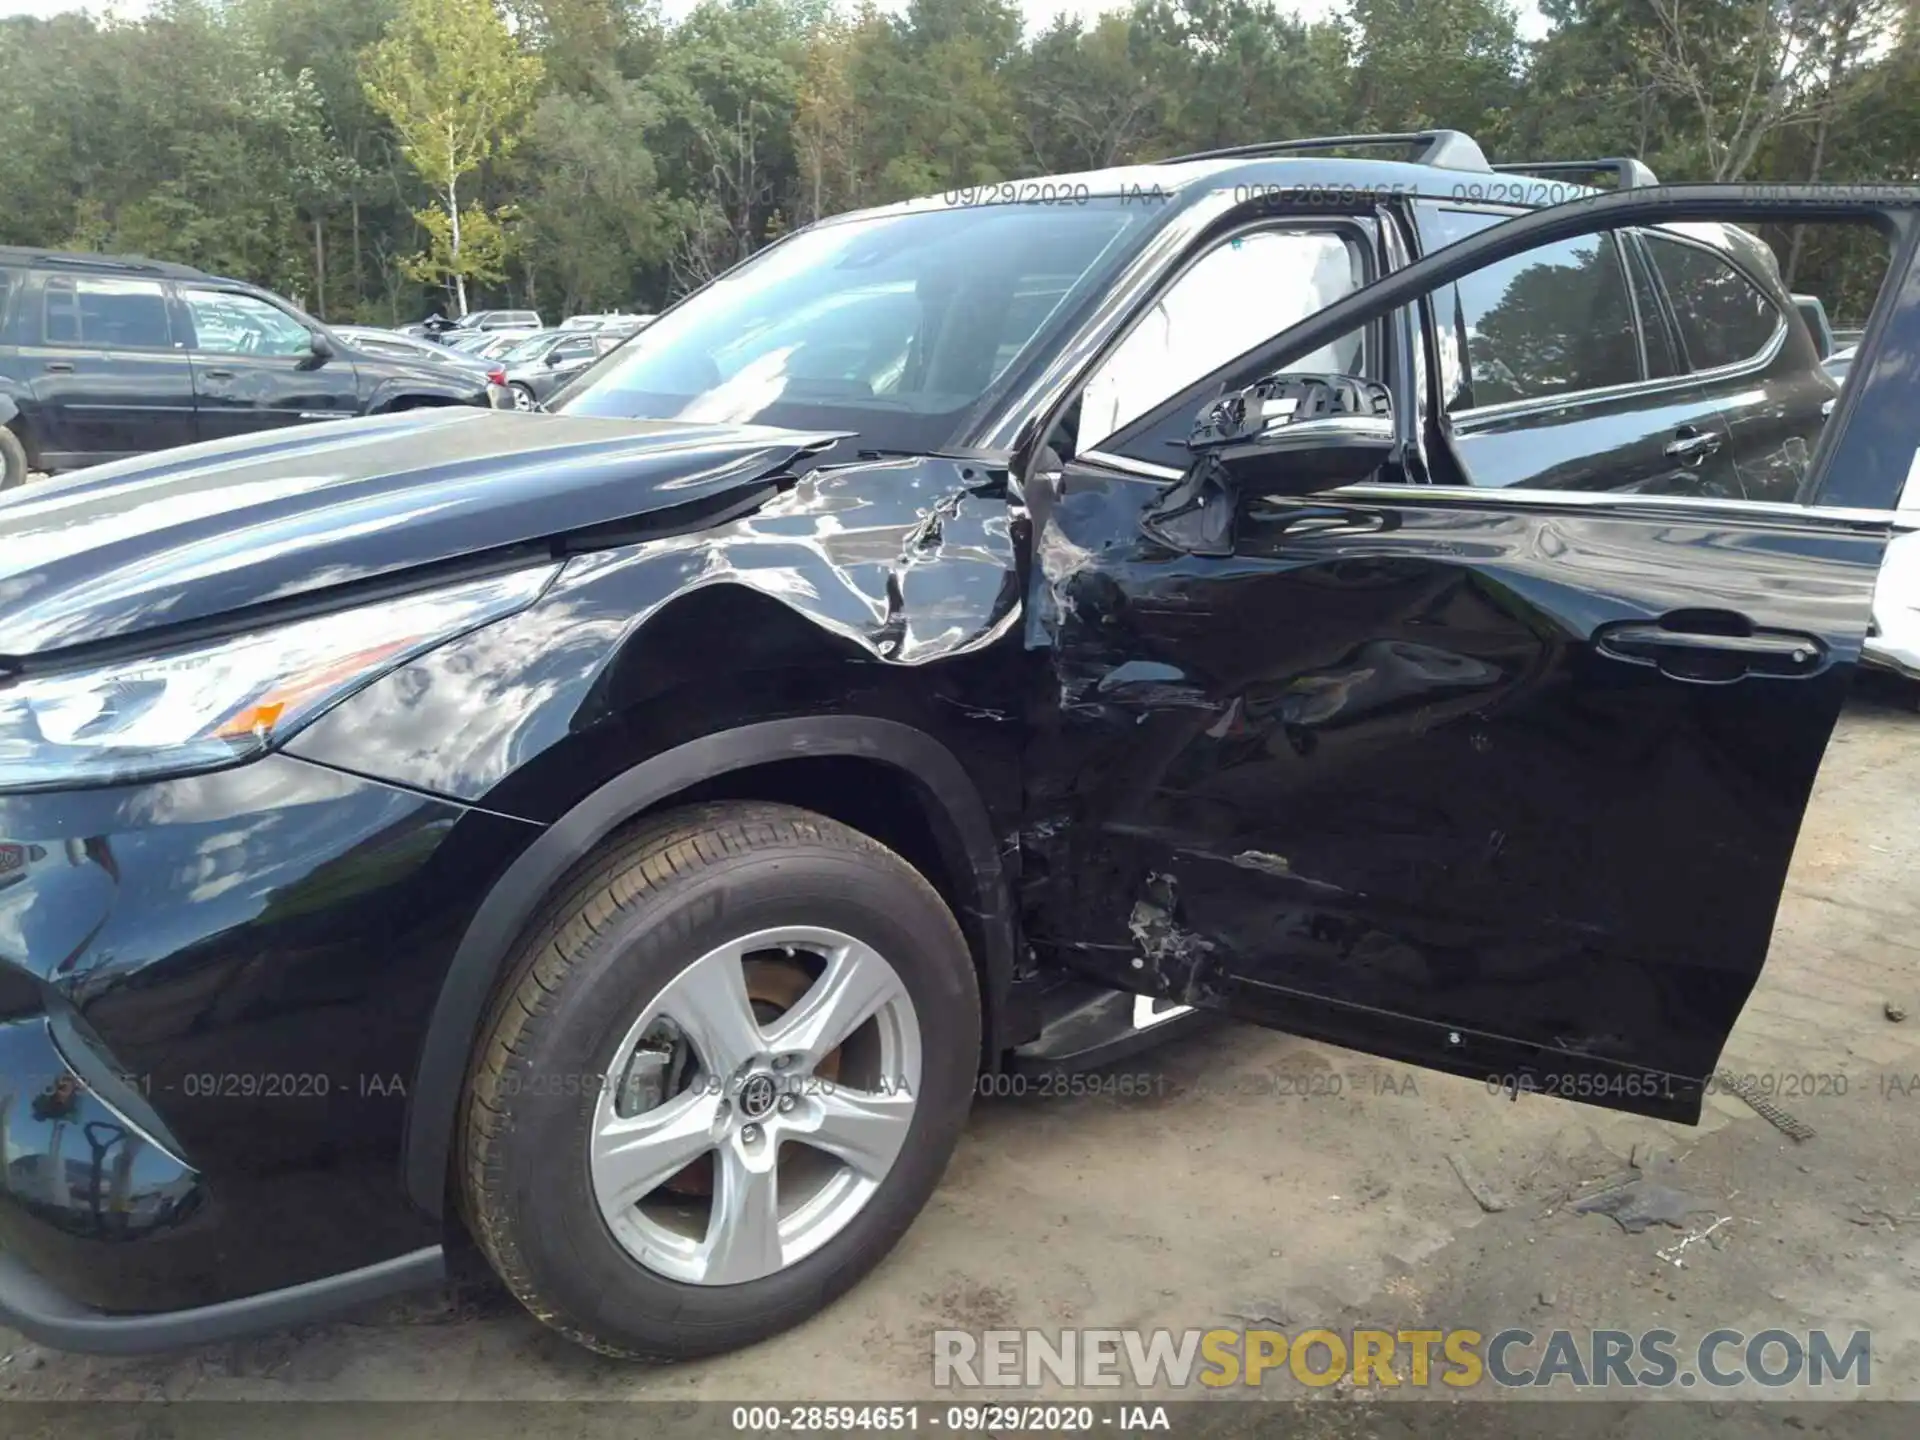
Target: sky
pixel 1039 12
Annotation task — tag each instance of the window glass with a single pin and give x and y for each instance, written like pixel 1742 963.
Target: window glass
pixel 225 323
pixel 893 325
pixel 1237 295
pixel 6 289
pixel 1724 319
pixel 1554 321
pixel 516 352
pixel 107 312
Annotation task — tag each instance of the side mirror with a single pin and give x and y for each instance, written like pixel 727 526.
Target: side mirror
pixel 1296 434
pixel 320 352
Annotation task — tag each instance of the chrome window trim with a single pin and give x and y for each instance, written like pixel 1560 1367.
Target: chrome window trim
pixel 1606 499
pixel 1908 517
pixel 1129 466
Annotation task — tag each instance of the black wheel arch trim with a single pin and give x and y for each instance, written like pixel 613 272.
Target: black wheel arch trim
pixel 961 826
pixel 398 390
pixel 40 1312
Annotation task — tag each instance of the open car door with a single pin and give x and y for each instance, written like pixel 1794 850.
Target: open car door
pixel 1500 781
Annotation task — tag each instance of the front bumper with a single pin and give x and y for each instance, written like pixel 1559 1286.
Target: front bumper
pixel 213 992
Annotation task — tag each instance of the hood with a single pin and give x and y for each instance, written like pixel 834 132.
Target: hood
pixel 187 535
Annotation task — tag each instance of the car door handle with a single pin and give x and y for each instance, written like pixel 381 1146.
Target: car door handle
pixel 1712 648
pixel 1690 444
pixel 217 374
pixel 59 367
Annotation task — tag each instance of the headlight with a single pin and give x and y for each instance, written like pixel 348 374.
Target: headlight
pixel 213 705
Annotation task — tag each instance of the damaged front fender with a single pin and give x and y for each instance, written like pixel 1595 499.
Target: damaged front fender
pixel 877 588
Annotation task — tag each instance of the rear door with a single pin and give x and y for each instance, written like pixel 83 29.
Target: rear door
pixel 1559 369
pixel 1501 778
pixel 109 376
pixel 1762 372
pixel 254 366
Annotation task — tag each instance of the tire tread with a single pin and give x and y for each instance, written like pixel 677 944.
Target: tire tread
pixel 630 869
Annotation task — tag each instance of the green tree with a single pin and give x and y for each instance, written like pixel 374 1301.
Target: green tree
pixel 1425 63
pixel 727 87
pixel 1083 101
pixel 455 86
pixel 595 210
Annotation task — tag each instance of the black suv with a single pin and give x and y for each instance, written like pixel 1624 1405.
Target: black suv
pixel 103 357
pixel 974 637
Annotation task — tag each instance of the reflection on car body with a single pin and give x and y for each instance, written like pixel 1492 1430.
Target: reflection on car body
pixel 931 647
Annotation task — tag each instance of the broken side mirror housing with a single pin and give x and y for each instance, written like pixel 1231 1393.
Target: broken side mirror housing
pixel 1297 434
pixel 319 351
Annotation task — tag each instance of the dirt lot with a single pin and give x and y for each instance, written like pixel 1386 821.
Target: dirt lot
pixel 1226 1202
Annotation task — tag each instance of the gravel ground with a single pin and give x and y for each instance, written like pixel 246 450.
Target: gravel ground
pixel 1222 1201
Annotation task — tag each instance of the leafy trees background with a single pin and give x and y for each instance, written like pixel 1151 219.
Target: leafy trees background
pixel 376 158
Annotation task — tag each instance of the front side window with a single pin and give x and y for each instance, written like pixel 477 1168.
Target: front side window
pixel 1724 318
pixel 1242 292
pixel 893 326
pixel 107 313
pixel 226 323
pixel 518 352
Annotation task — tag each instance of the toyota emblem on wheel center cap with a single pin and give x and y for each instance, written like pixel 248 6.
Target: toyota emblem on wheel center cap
pixel 756 1096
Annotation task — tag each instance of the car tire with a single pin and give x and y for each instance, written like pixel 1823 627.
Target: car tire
pixel 523 395
pixel 13 460
pixel 651 925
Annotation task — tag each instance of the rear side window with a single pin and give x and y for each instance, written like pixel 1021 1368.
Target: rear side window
pixel 107 313
pixel 1662 357
pixel 1554 321
pixel 1724 317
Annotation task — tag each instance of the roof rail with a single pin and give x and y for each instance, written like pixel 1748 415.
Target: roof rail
pixel 79 260
pixel 1450 149
pixel 1627 174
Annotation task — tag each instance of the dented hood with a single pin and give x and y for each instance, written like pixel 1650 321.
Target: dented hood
pixel 191 534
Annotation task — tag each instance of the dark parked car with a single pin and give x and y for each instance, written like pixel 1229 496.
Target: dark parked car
pixel 541 364
pixel 104 357
pixel 976 636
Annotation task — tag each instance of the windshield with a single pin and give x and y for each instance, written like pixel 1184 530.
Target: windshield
pixel 893 326
pixel 530 349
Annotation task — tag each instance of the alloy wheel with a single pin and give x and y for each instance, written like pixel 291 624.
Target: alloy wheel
pixel 732 1136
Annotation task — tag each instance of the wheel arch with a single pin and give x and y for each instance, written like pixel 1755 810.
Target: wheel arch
pixel 415 400
pixel 720 765
pixel 15 419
